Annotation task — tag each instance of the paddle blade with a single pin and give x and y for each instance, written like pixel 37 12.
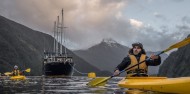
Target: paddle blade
pixel 27 70
pixel 101 81
pixel 7 73
pixel 179 44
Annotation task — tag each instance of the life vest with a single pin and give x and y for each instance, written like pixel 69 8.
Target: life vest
pixel 134 61
pixel 16 72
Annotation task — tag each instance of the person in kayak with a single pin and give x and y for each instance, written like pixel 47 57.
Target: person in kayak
pixel 16 71
pixel 136 55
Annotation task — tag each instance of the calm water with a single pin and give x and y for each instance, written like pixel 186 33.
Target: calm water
pixel 49 85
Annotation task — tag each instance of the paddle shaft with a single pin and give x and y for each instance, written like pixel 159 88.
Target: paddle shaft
pixel 127 69
pixel 142 61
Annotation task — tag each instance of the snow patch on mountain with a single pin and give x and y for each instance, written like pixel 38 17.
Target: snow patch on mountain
pixel 110 42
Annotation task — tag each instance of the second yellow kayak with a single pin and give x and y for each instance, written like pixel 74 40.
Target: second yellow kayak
pixel 20 77
pixel 158 84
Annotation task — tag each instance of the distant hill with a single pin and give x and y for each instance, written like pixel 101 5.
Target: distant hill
pixel 108 54
pixel 105 56
pixel 22 46
pixel 177 64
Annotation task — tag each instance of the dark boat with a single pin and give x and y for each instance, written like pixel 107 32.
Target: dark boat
pixel 57 63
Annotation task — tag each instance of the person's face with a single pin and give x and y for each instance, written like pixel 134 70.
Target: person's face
pixel 136 50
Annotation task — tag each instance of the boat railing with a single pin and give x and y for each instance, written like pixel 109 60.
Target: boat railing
pixel 56 59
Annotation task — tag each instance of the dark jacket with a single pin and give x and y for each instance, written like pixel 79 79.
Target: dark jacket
pixel 127 61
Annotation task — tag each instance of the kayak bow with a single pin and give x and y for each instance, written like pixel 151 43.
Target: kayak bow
pixel 21 77
pixel 157 84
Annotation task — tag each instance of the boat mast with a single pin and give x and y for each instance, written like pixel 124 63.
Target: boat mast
pixel 59 35
pixel 63 30
pixel 57 29
pixel 62 24
pixel 54 41
pixel 65 44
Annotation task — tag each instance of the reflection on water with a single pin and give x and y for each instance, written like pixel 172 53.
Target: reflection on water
pixel 49 85
pixel 52 85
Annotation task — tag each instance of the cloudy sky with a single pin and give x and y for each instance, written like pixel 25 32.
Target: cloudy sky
pixel 155 23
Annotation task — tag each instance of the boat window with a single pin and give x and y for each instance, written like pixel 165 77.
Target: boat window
pixel 58 59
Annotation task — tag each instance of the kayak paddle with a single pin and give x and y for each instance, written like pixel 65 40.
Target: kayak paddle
pixel 7 73
pixel 97 82
pixel 27 70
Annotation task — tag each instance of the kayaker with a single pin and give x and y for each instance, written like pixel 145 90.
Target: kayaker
pixel 16 71
pixel 136 55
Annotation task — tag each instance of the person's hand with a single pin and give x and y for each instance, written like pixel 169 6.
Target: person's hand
pixel 152 56
pixel 116 72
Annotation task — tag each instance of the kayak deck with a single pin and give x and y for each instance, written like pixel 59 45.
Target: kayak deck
pixel 158 84
pixel 21 77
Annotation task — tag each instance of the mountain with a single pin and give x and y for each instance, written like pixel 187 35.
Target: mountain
pixel 108 54
pixel 22 46
pixel 105 56
pixel 177 64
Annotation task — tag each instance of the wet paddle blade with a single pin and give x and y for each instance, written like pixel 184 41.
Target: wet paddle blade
pixel 28 70
pixel 100 81
pixel 7 73
pixel 179 44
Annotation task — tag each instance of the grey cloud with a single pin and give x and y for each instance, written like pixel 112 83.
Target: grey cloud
pixel 183 30
pixel 186 19
pixel 110 1
pixel 177 0
pixel 155 40
pixel 159 16
pixel 88 22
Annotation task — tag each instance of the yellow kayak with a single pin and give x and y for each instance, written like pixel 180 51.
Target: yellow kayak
pixel 20 77
pixel 157 84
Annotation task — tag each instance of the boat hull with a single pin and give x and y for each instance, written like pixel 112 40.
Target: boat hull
pixel 58 69
pixel 157 84
pixel 18 77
